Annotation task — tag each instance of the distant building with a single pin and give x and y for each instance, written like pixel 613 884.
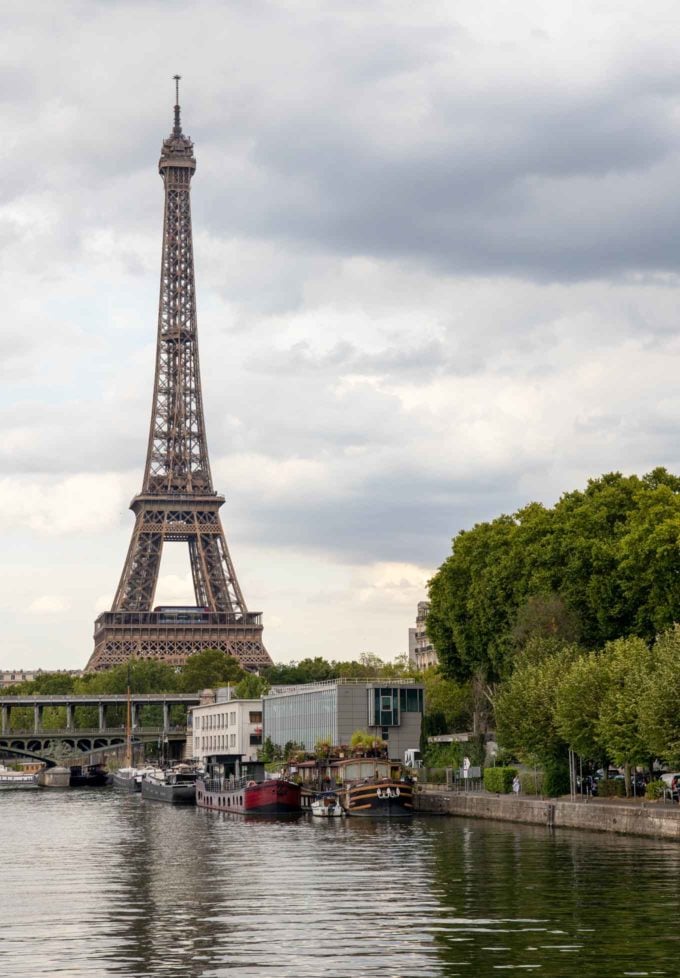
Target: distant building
pixel 223 727
pixel 11 677
pixel 421 653
pixel 392 709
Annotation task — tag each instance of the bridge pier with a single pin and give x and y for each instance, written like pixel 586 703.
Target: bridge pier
pixel 102 717
pixel 135 715
pixel 166 717
pixel 37 717
pixel 70 725
pixel 5 718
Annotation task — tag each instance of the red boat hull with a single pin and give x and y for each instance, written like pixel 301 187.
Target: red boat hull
pixel 275 797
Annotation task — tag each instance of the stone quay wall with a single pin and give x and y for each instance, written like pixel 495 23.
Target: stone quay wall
pixel 650 819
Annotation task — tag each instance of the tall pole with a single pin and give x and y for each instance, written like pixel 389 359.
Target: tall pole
pixel 128 723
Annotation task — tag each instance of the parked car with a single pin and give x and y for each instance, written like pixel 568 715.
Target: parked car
pixel 672 781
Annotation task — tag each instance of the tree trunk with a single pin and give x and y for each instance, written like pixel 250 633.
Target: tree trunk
pixel 626 774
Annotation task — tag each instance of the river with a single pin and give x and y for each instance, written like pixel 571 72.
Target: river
pixel 95 884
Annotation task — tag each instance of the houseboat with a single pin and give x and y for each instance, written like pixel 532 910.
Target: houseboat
pixel 17 779
pixel 366 786
pixel 176 786
pixel 130 778
pixel 241 788
pixel 89 776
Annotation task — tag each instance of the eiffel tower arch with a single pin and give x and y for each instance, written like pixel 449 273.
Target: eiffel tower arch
pixel 177 501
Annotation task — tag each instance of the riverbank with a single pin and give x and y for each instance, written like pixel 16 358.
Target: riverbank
pixel 652 819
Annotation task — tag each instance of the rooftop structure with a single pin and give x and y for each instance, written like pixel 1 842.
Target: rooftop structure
pixel 333 710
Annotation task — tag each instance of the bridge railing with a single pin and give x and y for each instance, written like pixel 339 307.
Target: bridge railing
pixel 81 732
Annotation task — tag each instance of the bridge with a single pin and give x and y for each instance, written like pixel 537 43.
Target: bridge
pixel 74 745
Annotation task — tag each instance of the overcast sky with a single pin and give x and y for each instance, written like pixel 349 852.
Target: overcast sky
pixel 437 251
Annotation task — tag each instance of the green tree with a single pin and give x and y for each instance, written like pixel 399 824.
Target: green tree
pixel 659 712
pixel 251 687
pixel 544 616
pixel 629 664
pixel 603 563
pixel 526 706
pixel 448 699
pixel 578 705
pixel 208 670
pixel 53 683
pixel 269 752
pixel 143 676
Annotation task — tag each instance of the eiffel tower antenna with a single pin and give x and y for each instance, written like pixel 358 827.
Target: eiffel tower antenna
pixel 177 130
pixel 178 502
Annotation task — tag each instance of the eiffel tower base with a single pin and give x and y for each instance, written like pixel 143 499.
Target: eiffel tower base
pixel 120 636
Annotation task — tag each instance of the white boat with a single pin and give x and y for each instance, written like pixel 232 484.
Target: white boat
pixel 327 805
pixel 130 778
pixel 17 779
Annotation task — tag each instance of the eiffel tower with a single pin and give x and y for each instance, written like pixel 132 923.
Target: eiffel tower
pixel 177 501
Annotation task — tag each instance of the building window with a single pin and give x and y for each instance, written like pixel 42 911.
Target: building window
pixel 233 719
pixel 385 707
pixel 411 701
pixel 255 740
pixel 255 716
pixel 232 740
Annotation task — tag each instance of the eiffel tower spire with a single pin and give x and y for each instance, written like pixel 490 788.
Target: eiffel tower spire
pixel 177 501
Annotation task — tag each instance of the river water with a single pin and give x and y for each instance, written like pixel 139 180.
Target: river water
pixel 95 884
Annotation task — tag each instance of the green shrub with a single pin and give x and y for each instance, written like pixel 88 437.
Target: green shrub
pixel 531 782
pixel 655 789
pixel 443 755
pixel 499 779
pixel 611 788
pixel 556 778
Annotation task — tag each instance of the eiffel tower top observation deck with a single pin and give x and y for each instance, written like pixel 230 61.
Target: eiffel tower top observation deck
pixel 178 502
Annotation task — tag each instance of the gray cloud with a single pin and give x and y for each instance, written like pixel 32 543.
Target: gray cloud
pixel 436 263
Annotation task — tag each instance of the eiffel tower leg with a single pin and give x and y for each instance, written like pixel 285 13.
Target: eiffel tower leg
pixel 140 574
pixel 200 574
pixel 211 558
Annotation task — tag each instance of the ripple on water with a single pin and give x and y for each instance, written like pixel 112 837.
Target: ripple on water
pixel 96 884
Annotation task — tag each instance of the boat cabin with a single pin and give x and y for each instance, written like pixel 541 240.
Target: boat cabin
pixel 347 770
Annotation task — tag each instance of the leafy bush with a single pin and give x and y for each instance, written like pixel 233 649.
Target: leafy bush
pixel 531 782
pixel 611 788
pixel 556 778
pixel 499 779
pixel 443 755
pixel 655 789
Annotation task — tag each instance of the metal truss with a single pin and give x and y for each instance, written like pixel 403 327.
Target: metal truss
pixel 178 502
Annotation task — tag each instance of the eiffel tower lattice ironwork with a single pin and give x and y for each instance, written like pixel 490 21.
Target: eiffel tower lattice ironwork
pixel 177 501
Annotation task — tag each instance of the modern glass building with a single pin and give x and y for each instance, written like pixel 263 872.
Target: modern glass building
pixel 335 709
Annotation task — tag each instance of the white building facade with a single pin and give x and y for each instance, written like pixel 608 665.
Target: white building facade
pixel 421 652
pixel 225 727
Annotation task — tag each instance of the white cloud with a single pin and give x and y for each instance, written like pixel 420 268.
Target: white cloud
pixel 48 604
pixel 76 504
pixel 437 277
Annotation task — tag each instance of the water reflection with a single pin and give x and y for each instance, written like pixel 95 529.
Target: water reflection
pixel 99 884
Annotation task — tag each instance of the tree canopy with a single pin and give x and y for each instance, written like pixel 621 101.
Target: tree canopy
pixel 601 564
